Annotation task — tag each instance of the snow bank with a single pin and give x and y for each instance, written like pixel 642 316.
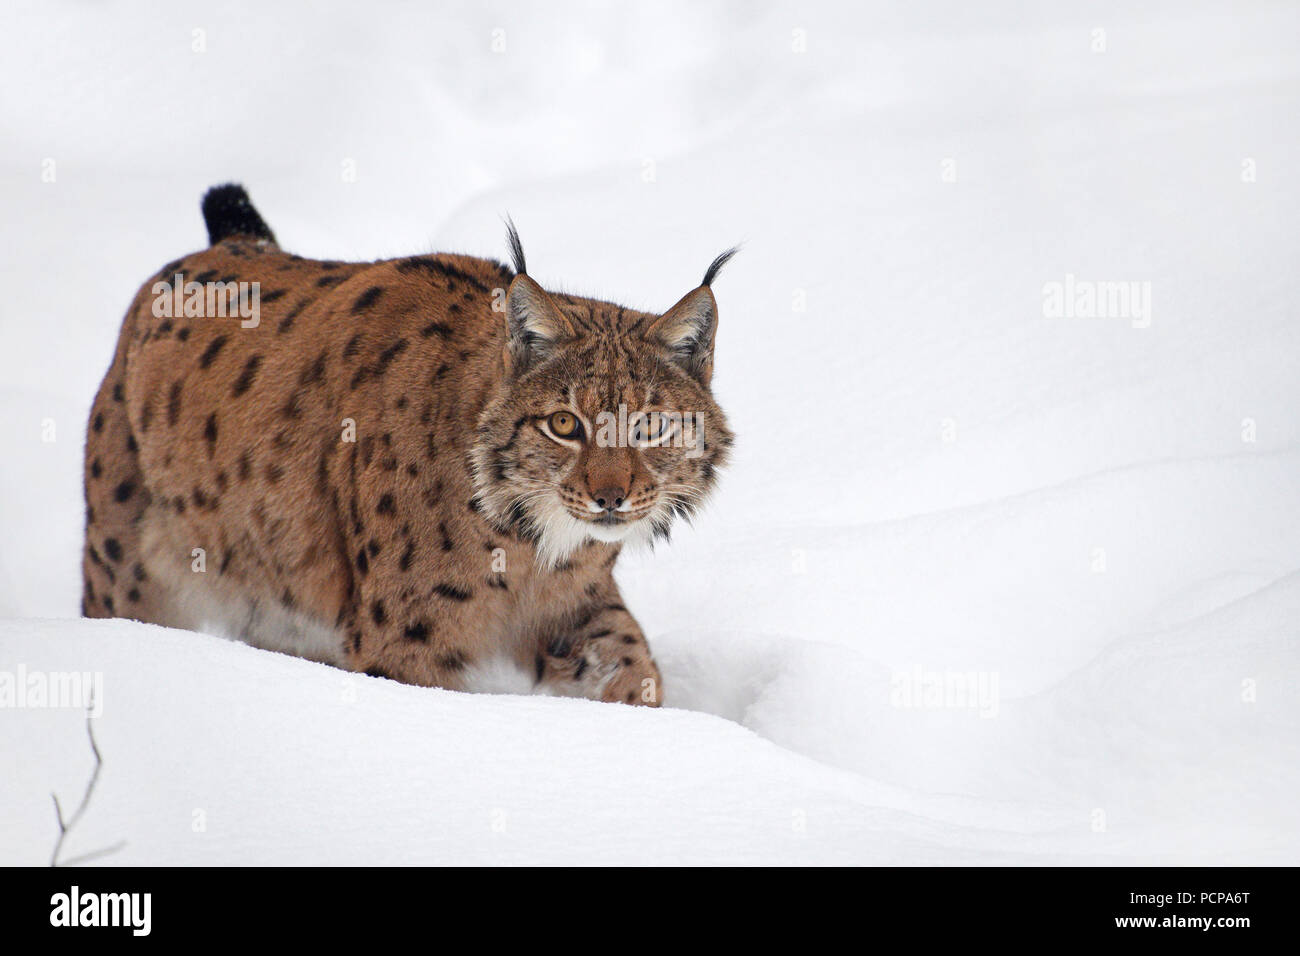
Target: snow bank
pixel 218 753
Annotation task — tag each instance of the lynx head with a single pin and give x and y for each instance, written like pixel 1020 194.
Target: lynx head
pixel 604 427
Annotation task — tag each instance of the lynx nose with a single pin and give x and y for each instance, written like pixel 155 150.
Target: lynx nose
pixel 608 499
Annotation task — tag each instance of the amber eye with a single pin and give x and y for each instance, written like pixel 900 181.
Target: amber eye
pixel 651 427
pixel 564 424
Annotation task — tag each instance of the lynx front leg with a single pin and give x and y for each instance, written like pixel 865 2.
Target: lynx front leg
pixel 601 654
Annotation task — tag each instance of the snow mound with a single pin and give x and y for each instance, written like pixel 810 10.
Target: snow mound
pixel 219 753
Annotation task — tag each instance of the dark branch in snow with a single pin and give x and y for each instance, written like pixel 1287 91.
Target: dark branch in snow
pixel 66 825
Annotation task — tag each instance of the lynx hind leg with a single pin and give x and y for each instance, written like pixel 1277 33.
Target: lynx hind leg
pixel 606 658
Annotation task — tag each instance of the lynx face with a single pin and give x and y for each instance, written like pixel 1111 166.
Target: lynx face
pixel 604 428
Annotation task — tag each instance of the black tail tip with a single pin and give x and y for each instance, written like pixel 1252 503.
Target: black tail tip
pixel 227 211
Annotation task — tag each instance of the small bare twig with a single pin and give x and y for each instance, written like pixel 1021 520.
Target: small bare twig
pixel 66 825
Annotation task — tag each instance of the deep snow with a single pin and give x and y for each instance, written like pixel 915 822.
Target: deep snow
pixel 1098 518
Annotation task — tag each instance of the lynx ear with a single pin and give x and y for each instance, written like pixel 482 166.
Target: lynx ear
pixel 687 329
pixel 534 324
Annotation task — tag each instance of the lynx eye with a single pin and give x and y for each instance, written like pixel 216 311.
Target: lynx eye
pixel 652 428
pixel 564 425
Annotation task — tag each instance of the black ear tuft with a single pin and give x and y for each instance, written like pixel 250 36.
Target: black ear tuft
pixel 516 248
pixel 716 266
